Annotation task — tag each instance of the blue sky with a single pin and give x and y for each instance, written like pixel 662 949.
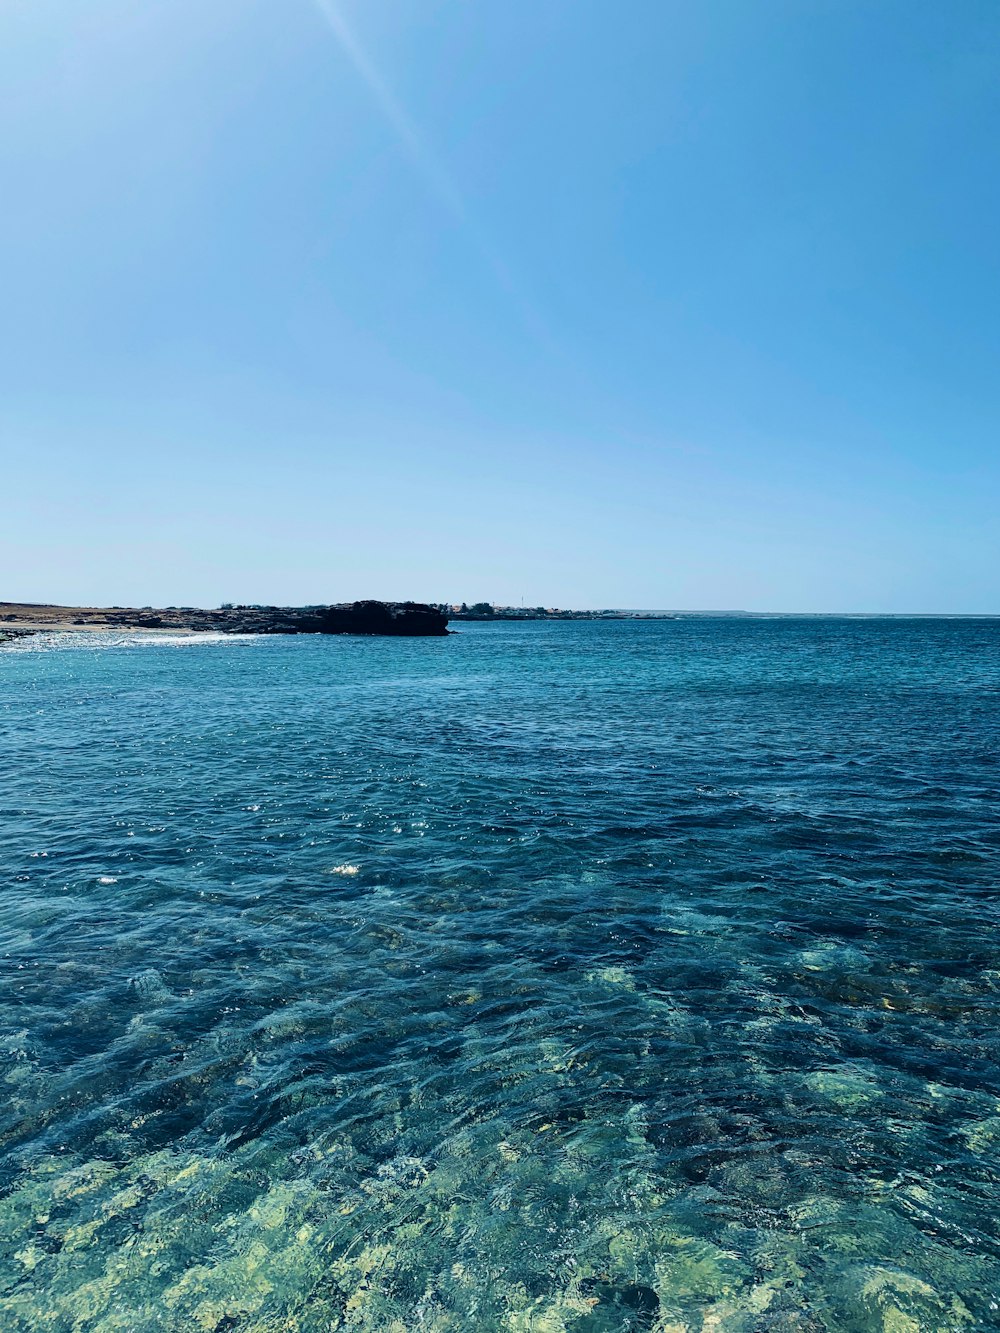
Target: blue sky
pixel 651 304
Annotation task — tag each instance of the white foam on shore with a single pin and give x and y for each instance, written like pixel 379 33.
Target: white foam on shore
pixel 45 641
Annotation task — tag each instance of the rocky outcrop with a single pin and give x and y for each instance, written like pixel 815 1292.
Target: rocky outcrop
pixel 383 618
pixel 368 617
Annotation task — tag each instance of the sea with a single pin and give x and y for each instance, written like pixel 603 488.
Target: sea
pixel 545 978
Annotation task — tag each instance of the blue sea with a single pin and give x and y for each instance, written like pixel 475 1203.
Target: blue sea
pixel 545 978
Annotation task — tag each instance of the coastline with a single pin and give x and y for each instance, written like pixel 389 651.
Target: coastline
pixel 409 619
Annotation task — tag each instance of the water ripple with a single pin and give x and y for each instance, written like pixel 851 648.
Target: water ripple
pixel 579 977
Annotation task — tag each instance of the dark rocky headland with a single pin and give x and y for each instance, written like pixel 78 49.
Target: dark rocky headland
pixel 366 617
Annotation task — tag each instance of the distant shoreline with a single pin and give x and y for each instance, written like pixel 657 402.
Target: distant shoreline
pixel 565 615
pixel 395 619
pixel 398 619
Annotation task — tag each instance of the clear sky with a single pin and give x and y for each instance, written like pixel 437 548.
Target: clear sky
pixel 649 304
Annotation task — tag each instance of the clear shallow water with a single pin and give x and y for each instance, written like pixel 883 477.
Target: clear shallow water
pixel 575 977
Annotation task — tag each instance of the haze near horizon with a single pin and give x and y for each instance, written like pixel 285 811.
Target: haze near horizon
pixel 678 305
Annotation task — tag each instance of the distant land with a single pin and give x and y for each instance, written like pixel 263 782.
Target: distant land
pixel 364 617
pixel 396 619
pixel 489 611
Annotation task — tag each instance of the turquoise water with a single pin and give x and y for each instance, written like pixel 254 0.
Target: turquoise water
pixel 583 977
